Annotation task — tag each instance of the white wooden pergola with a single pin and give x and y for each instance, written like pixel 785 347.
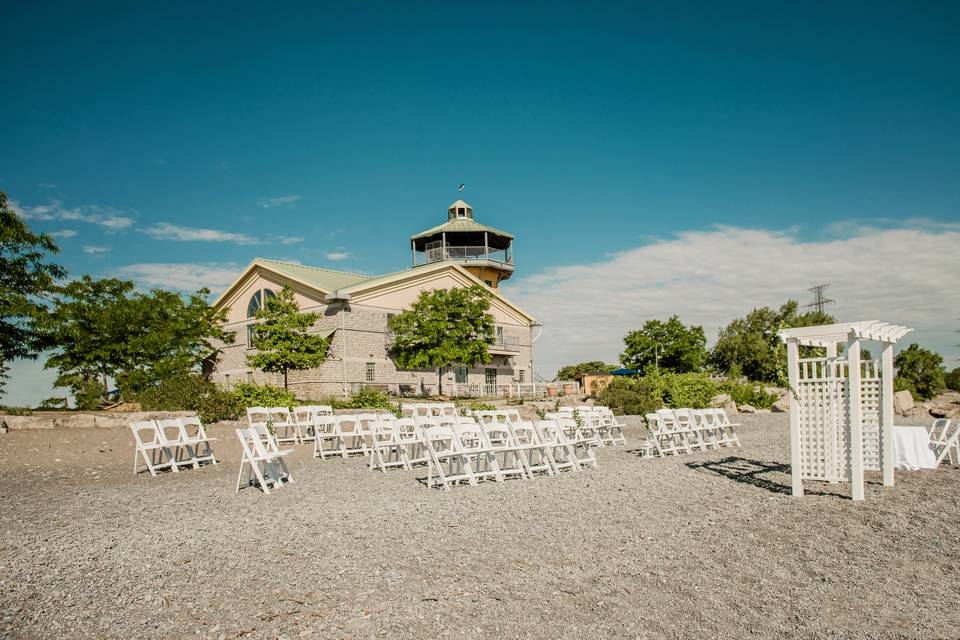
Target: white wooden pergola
pixel 841 408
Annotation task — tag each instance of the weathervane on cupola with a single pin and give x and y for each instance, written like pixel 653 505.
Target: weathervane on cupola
pixel 483 251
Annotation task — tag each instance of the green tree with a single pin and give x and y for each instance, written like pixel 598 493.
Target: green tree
pixel 920 371
pixel 442 328
pixel 752 347
pixel 28 279
pixel 282 339
pixel 952 380
pixel 105 329
pixel 569 371
pixel 666 346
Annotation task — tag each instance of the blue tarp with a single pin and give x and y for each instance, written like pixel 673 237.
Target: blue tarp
pixel 625 372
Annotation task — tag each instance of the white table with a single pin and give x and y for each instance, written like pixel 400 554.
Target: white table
pixel 911 448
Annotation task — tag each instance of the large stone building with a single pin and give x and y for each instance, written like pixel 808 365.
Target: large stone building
pixel 354 309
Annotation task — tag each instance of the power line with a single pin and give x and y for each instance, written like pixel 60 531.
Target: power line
pixel 820 301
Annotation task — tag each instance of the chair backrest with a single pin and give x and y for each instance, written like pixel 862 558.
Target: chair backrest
pixel 324 422
pixel 425 420
pixel 448 409
pixel 323 409
pixel 348 423
pixel 497 434
pixel 669 419
pixel 280 416
pixel 439 438
pixel 720 416
pixel 550 432
pixel 470 435
pixel 939 430
pixel 368 422
pixel 513 415
pixel 191 426
pixel 170 430
pixel 257 415
pixel 685 418
pixel 145 432
pixel 423 410
pixel 303 414
pixel 524 432
pixel 406 428
pixel 655 423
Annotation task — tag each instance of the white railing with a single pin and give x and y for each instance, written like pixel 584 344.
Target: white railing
pixel 435 254
pixel 514 390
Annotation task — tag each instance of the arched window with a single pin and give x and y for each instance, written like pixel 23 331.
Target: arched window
pixel 258 300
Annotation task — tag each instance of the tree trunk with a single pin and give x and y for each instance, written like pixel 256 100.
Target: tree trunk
pixel 106 387
pixel 284 379
pixel 440 380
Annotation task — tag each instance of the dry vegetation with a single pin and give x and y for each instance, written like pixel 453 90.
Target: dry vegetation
pixel 708 545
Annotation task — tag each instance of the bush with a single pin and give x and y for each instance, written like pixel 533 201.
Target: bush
pixel 192 393
pixel 631 396
pixel 367 398
pixel 254 395
pixel 749 393
pixel 685 390
pixel 479 406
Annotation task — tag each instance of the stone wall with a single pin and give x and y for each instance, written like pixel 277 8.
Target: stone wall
pixel 85 419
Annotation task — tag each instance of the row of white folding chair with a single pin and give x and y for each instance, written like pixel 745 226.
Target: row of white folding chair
pixel 171 444
pixel 346 434
pixel 945 441
pixel 675 431
pixel 426 409
pixel 263 458
pixel 303 419
pixel 584 437
pixel 279 419
pixel 469 451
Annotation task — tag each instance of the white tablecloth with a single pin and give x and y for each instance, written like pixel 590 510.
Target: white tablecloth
pixel 911 448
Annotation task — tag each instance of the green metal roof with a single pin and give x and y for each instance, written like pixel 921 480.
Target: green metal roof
pixel 461 224
pixel 323 279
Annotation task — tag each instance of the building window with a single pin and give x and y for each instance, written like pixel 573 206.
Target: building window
pixel 460 375
pixel 226 381
pixel 249 377
pixel 499 335
pixel 489 283
pixel 521 375
pixel 251 335
pixel 490 377
pixel 371 371
pixel 258 300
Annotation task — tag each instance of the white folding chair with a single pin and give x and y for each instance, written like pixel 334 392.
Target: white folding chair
pixel 326 436
pixel 482 456
pixel 672 429
pixel 257 415
pixel 537 456
pixel 351 434
pixel 729 429
pixel 170 436
pixel 282 425
pixel 263 458
pixel 193 433
pixel 512 459
pixel 560 450
pixel 584 445
pixel 945 441
pixel 614 430
pixel 149 445
pixel 447 465
pixel 302 418
pixel 386 450
pixel 659 439
pixel 691 428
pixel 412 446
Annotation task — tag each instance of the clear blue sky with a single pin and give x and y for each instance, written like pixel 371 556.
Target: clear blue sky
pixel 584 129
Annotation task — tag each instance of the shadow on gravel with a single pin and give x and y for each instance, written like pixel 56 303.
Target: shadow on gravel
pixel 746 471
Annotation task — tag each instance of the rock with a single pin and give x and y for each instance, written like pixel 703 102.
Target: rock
pixel 902 401
pixel 782 405
pixel 721 400
pixel 746 408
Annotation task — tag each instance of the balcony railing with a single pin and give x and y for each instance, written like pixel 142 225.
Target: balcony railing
pixel 506 343
pixel 436 254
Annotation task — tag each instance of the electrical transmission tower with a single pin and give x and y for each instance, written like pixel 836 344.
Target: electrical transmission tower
pixel 820 301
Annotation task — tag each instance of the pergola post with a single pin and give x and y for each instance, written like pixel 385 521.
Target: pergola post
pixel 793 370
pixel 856 417
pixel 444 238
pixel 886 413
pixel 833 427
pixel 486 246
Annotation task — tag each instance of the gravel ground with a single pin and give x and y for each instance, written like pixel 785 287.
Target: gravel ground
pixel 709 544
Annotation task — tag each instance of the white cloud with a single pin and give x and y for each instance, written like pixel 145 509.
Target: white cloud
pixel 167 231
pixel 289 239
pixel 904 276
pixel 95 249
pixel 182 276
pixel 278 201
pixel 336 256
pixel 106 217
pixel 64 233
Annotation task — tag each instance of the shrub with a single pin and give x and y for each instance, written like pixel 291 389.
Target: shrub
pixel 686 390
pixel 192 393
pixel 479 406
pixel 367 398
pixel 631 396
pixel 254 395
pixel 749 393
